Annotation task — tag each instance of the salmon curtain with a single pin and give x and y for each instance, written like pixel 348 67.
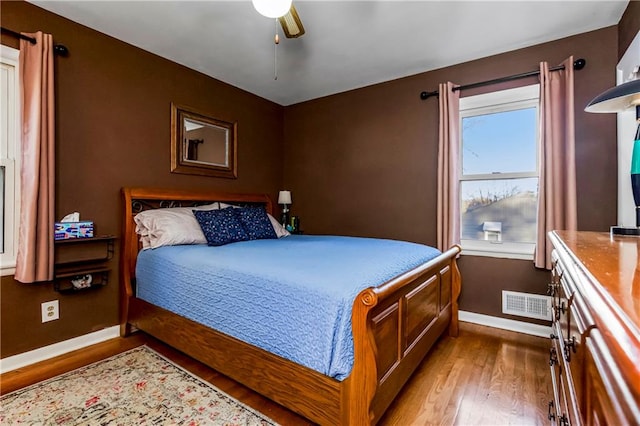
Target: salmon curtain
pixel 34 261
pixel 448 200
pixel 557 205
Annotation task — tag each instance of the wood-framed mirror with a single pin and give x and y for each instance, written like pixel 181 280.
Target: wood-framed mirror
pixel 202 145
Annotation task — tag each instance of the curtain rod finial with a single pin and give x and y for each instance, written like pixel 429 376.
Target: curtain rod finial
pixel 61 49
pixel 427 95
pixel 578 64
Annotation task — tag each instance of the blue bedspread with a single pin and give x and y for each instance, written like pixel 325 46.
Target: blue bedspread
pixel 292 296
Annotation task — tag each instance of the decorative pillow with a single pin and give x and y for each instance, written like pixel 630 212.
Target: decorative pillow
pixel 170 226
pixel 221 226
pixel 277 227
pixel 256 223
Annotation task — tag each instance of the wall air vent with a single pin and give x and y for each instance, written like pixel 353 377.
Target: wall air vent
pixel 526 305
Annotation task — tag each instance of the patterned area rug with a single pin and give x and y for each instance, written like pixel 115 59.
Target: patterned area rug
pixel 137 387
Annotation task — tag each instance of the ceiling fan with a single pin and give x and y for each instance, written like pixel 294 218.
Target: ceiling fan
pixel 291 23
pixel 285 12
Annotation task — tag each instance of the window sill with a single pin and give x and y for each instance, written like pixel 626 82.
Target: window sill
pixel 6 270
pixel 504 251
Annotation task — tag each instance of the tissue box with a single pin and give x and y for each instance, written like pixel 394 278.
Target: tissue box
pixel 67 230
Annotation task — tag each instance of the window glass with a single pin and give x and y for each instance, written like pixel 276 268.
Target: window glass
pixel 510 204
pixel 499 173
pixel 499 142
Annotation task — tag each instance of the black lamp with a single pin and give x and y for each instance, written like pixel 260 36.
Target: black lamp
pixel 284 198
pixel 618 99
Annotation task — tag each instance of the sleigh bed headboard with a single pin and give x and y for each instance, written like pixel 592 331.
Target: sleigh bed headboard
pixel 140 199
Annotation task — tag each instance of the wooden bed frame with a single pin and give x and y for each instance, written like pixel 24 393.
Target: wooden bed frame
pixel 394 326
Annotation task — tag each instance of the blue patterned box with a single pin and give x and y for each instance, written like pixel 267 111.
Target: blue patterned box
pixel 67 230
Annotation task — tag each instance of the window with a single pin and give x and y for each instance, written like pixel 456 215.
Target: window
pixel 499 173
pixel 9 157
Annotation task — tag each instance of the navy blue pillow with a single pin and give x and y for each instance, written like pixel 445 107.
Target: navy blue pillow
pixel 256 223
pixel 220 227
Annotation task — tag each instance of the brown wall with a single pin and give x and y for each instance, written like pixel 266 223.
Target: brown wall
pixel 364 162
pixel 113 130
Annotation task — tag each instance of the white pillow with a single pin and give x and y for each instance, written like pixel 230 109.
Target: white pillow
pixel 170 226
pixel 277 226
pixel 146 244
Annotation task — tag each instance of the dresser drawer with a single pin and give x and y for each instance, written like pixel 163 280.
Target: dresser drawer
pixel 608 399
pixel 562 275
pixel 571 354
pixel 563 409
pixel 569 330
pixel 556 404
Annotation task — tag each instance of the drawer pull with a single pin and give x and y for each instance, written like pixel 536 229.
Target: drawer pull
pixel 552 414
pixel 556 277
pixel 553 357
pixel 569 343
pixel 564 420
pixel 560 310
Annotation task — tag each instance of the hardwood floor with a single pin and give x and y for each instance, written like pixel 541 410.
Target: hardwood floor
pixel 485 376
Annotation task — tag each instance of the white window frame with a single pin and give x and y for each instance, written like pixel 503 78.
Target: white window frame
pixel 488 103
pixel 10 157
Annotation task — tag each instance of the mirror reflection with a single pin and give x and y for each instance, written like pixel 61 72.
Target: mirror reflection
pixel 201 144
pixel 205 144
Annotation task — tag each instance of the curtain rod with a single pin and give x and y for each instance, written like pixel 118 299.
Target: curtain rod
pixel 59 49
pixel 578 64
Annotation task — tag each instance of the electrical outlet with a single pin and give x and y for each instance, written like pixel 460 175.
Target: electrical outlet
pixel 50 311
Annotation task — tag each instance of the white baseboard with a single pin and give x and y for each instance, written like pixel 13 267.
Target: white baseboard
pixel 505 324
pixel 60 348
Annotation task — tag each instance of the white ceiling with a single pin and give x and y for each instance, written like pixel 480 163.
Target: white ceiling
pixel 348 44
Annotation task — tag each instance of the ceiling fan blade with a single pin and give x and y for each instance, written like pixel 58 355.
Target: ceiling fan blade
pixel 291 23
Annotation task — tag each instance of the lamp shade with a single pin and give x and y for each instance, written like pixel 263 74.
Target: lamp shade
pixel 617 99
pixel 272 8
pixel 284 197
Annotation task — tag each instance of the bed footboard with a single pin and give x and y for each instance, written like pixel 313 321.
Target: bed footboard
pixel 394 327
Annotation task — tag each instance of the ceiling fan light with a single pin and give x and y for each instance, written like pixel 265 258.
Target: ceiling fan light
pixel 272 8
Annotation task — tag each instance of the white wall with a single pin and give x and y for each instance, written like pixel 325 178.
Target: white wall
pixel 627 70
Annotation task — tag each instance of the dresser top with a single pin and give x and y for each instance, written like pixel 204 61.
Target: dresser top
pixel 613 262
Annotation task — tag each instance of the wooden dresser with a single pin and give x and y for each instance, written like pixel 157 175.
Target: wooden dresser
pixel 595 342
